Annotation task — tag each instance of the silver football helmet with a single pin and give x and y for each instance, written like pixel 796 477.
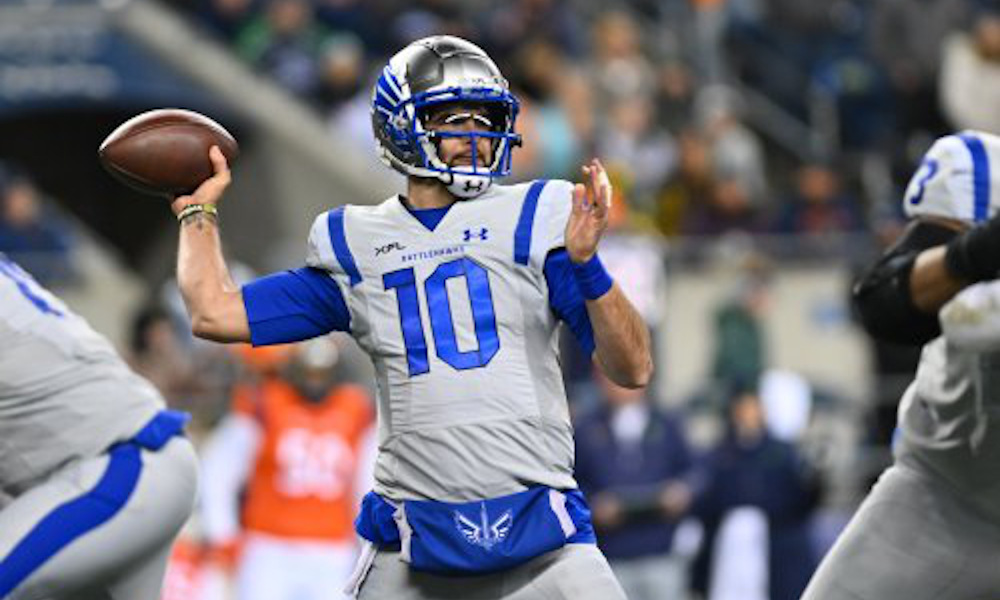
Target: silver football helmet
pixel 434 71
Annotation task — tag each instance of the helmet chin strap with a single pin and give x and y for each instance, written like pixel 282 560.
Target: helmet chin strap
pixel 461 185
pixel 466 186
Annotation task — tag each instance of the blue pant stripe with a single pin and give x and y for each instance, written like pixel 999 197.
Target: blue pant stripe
pixel 73 519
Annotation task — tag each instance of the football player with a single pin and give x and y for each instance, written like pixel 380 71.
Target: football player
pixel 930 528
pixel 281 473
pixel 100 476
pixel 455 290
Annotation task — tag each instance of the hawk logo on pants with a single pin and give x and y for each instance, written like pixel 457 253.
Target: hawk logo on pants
pixel 484 533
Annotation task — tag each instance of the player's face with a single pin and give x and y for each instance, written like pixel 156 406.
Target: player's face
pixel 457 151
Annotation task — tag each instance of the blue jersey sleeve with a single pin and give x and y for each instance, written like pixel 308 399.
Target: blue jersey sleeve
pixel 294 305
pixel 565 298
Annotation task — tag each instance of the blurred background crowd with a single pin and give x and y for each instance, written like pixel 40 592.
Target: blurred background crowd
pixel 759 150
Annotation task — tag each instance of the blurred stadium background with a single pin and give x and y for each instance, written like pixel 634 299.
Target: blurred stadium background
pixel 759 149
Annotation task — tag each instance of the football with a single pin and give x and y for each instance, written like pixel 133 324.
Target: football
pixel 165 152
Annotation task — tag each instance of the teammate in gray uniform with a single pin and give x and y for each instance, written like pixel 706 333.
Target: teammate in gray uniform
pixel 455 290
pixel 930 528
pixel 100 477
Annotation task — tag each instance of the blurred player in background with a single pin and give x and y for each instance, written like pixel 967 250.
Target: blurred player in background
pixel 631 460
pixel 930 528
pixel 282 477
pixel 455 290
pixel 100 475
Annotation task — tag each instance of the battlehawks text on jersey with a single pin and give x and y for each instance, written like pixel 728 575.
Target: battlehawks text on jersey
pixel 64 392
pixel 458 324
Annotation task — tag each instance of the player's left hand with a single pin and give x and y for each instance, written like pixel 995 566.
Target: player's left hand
pixel 589 219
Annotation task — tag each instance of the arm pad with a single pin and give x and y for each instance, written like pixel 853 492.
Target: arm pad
pixel 881 297
pixel 974 255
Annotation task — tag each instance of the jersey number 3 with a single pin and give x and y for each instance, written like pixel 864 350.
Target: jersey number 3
pixel 442 323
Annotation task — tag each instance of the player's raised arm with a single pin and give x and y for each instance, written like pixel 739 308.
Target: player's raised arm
pixel 214 302
pixel 621 339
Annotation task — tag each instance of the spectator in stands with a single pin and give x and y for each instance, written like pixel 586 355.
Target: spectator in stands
pixel 618 65
pixel 34 237
pixel 818 205
pixel 284 472
pixel 556 113
pixel 227 17
pixel 422 18
pixel 364 20
pixel 970 75
pixel 691 185
pixel 157 352
pixel 341 71
pixel 675 92
pixel 737 153
pixel 905 37
pixel 506 25
pixel 632 142
pixel 631 460
pixel 285 43
pixel 740 353
pixel 710 19
pixel 755 496
pixel 727 208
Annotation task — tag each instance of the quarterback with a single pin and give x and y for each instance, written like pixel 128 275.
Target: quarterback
pixel 455 290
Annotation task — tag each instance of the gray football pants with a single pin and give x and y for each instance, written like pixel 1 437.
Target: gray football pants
pixel 573 572
pixel 911 539
pixel 100 528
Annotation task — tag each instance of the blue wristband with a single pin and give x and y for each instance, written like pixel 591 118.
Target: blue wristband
pixel 594 281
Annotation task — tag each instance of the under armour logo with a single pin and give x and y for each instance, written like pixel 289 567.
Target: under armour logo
pixel 380 250
pixel 484 534
pixel 469 186
pixel 480 235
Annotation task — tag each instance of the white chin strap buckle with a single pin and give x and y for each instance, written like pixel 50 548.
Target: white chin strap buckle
pixel 468 186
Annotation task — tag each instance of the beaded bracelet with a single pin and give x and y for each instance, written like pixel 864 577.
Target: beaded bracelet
pixel 193 209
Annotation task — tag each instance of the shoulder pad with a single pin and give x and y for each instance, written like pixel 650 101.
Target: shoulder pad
pixel 541 225
pixel 328 244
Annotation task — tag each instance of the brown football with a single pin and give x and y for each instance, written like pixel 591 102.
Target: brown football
pixel 165 152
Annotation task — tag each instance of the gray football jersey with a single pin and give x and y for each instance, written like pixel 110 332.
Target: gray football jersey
pixel 64 392
pixel 950 422
pixel 458 325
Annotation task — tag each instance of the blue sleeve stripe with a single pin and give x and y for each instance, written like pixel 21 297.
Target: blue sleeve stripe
pixel 338 239
pixel 980 177
pixel 522 235
pixel 73 519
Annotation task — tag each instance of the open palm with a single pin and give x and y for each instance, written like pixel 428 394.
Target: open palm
pixel 589 218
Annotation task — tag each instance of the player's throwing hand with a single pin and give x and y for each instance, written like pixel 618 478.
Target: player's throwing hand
pixel 589 219
pixel 211 190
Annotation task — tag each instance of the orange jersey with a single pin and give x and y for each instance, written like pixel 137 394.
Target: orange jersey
pixel 302 484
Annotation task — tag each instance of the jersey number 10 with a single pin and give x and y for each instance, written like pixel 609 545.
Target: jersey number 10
pixel 442 323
